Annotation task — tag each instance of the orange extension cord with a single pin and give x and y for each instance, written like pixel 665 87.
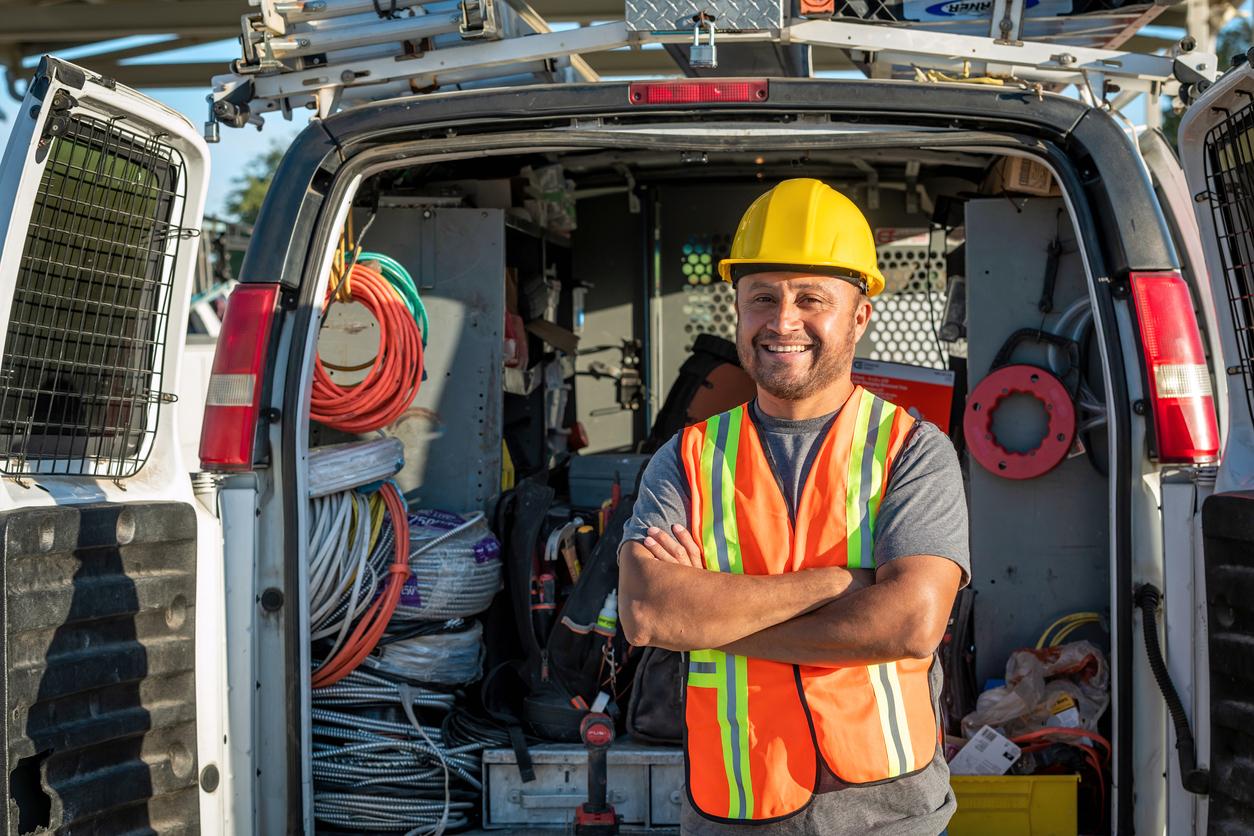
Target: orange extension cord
pixel 375 619
pixel 392 381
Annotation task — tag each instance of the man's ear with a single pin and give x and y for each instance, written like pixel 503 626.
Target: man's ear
pixel 861 316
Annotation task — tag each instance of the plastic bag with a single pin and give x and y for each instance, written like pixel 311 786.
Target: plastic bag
pixel 1037 681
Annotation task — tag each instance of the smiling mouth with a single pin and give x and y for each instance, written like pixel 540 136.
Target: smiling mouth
pixel 786 349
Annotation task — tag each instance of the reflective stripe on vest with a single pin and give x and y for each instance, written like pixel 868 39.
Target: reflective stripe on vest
pixel 757 730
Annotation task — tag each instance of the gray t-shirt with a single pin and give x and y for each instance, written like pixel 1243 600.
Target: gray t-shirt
pixel 923 511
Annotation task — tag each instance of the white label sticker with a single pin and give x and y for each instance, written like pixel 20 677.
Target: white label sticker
pixel 975 9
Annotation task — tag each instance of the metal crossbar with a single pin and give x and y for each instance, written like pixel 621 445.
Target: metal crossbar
pixel 80 380
pixel 1229 161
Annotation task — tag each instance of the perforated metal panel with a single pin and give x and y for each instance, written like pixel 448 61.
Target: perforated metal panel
pixel 909 312
pixel 709 302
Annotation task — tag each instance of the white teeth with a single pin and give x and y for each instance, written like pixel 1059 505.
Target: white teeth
pixel 786 349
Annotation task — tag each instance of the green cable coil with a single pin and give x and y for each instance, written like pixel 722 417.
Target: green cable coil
pixel 399 278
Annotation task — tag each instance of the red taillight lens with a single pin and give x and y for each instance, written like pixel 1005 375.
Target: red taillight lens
pixel 1175 368
pixel 696 91
pixel 233 405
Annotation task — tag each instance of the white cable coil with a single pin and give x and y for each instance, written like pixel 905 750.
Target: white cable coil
pixel 344 572
pixel 454 657
pixel 339 467
pixel 456 564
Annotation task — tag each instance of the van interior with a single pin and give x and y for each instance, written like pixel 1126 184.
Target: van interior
pixel 566 295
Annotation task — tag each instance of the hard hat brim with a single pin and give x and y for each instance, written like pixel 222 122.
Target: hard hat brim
pixel 732 270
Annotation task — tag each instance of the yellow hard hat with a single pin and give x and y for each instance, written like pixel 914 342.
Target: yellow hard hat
pixel 805 225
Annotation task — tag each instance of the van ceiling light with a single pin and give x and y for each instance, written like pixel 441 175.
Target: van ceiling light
pixel 698 91
pixel 1183 406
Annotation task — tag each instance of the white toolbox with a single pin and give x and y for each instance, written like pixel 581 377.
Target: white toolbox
pixel 645 785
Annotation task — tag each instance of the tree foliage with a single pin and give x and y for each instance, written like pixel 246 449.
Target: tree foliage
pixel 243 204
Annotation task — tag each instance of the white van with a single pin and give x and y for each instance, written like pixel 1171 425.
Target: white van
pixel 157 643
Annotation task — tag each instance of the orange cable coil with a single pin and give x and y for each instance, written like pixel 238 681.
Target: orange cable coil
pixel 393 378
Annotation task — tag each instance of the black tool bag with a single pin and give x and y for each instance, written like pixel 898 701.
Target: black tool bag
pixel 655 713
pixel 561 673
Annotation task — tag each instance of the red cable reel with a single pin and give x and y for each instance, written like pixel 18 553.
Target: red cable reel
pixel 982 404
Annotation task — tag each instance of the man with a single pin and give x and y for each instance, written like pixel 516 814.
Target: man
pixel 804 550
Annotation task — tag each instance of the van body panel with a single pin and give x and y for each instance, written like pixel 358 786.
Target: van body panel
pixel 1215 148
pixel 112 619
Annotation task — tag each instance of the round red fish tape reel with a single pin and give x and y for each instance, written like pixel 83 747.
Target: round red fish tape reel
pixel 977 422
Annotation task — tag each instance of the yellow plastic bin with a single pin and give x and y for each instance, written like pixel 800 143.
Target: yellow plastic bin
pixel 1014 805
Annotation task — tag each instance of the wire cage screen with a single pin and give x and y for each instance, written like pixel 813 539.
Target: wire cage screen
pixel 1229 156
pixel 80 380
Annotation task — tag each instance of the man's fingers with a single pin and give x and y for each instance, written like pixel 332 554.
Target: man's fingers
pixel 656 550
pixel 690 546
pixel 668 542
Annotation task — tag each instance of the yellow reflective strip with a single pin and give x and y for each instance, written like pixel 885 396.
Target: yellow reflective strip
pixel 731 532
pixel 881 704
pixel 708 546
pixel 853 484
pixel 903 726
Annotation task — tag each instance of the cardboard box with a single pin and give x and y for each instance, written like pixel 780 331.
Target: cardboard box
pixel 924 393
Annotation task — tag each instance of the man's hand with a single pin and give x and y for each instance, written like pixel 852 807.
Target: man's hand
pixel 901 616
pixel 680 548
pixel 663 603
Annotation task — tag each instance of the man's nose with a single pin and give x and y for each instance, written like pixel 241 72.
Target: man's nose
pixel 786 317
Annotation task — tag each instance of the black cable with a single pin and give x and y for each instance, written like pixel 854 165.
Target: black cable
pixel 1194 779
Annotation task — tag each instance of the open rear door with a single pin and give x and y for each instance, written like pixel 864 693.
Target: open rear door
pixel 101 194
pixel 1217 150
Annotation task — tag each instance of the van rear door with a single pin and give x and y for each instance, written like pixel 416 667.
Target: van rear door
pixel 1217 149
pixel 103 608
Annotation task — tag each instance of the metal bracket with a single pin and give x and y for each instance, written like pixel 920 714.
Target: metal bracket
pixel 1007 22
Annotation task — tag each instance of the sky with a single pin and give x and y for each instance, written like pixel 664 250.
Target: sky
pixel 238 146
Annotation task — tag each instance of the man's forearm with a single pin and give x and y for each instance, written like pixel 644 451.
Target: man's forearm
pixel 681 608
pixel 883 622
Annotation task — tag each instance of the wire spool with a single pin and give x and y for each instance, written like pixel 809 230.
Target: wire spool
pixel 456 563
pixel 393 376
pixel 982 404
pixel 450 653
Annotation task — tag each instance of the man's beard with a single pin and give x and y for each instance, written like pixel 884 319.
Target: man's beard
pixel 827 365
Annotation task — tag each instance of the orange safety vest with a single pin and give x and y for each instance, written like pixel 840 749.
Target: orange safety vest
pixel 758 733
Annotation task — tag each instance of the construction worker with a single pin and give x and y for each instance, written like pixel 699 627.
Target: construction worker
pixel 804 550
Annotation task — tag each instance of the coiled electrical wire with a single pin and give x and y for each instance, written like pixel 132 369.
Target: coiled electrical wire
pixel 394 375
pixel 452 581
pixel 369 628
pixel 399 278
pixel 379 767
pixel 450 654
pixel 344 527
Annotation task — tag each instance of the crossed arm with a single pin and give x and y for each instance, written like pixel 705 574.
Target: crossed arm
pixel 829 616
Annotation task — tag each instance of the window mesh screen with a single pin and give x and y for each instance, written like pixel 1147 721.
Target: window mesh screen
pixel 1230 184
pixel 80 381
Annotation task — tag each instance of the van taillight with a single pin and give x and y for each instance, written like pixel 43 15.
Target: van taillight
pixel 1180 394
pixel 696 91
pixel 233 405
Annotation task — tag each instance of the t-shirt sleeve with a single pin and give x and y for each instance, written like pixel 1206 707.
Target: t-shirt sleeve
pixel 662 500
pixel 924 510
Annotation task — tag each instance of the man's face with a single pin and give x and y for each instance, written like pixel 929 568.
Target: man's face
pixel 796 332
